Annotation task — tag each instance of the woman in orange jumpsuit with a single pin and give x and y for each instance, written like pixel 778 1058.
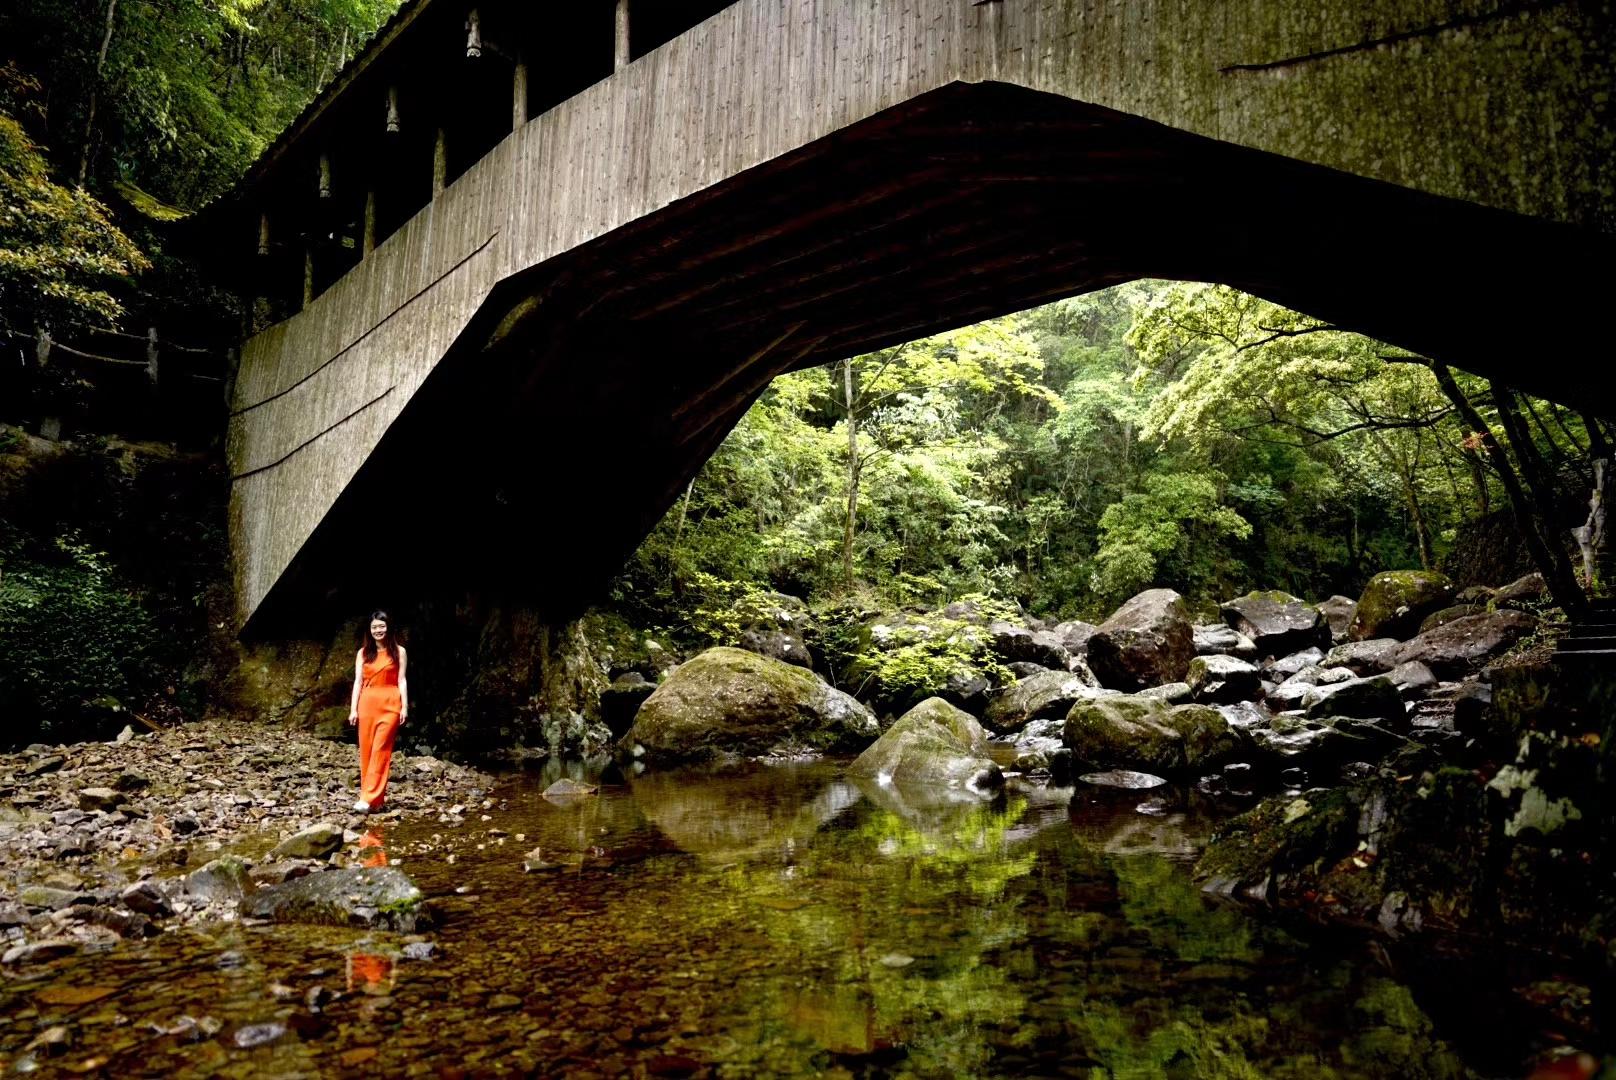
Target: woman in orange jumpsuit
pixel 380 705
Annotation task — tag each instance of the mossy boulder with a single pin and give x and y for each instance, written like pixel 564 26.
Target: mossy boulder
pixel 1276 622
pixel 932 745
pixel 1147 642
pixel 1395 602
pixel 1338 612
pixel 1223 679
pixel 1047 694
pixel 377 898
pixel 1457 648
pixel 729 702
pixel 1147 734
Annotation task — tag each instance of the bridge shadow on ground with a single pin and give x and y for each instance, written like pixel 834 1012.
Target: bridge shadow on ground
pixel 579 401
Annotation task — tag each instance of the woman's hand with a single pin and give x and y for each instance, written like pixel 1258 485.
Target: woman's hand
pixel 353 718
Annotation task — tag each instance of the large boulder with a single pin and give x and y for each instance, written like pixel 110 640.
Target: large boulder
pixel 1446 615
pixel 1074 634
pixel 776 629
pixel 1289 694
pixel 729 702
pixel 1523 592
pixel 1454 650
pixel 376 898
pixel 1363 657
pixel 1147 642
pixel 1374 698
pixel 1216 638
pixel 1395 602
pixel 1286 666
pixel 933 744
pixel 1276 622
pixel 1039 697
pixel 1014 643
pixel 1338 612
pixel 1148 735
pixel 1222 679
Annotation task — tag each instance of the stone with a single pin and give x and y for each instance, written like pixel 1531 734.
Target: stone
pixel 966 688
pixel 1245 715
pixel 1011 642
pixel 622 699
pixel 314 842
pixel 1338 612
pixel 728 702
pixel 1395 602
pixel 1412 679
pixel 1471 704
pixel 1074 635
pixel 1287 666
pixel 1524 592
pixel 1218 678
pixel 1047 694
pixel 48 763
pixel 564 787
pixel 35 952
pixel 776 628
pixel 420 950
pixel 376 898
pixel 222 880
pixel 1216 638
pixel 185 824
pixel 933 744
pixel 1174 693
pixel 1449 614
pixel 1475 595
pixel 1372 698
pixel 127 734
pixel 131 781
pixel 146 899
pixel 1459 648
pixel 1038 743
pixel 1363 657
pixel 12 914
pixel 252 1035
pixel 1276 622
pixel 273 873
pixel 1148 735
pixel 1147 642
pixel 1126 779
pixel 101 798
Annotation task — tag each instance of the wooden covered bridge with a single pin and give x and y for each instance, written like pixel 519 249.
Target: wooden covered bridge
pixel 522 266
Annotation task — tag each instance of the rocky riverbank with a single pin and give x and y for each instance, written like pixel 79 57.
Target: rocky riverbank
pixel 123 839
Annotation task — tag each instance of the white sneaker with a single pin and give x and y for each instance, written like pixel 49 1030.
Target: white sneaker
pixel 362 806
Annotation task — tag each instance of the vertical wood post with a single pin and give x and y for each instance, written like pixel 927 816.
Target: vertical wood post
pixel 263 234
pixel 519 93
pixel 308 272
pixel 50 427
pixel 474 35
pixel 440 162
pixel 151 355
pixel 325 175
pixel 368 241
pixel 392 111
pixel 623 56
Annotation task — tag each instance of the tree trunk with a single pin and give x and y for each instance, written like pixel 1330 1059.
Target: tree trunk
pixel 679 529
pixel 1550 559
pixel 1593 536
pixel 850 400
pixel 95 86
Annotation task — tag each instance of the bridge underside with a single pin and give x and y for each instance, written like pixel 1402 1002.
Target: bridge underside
pixel 587 390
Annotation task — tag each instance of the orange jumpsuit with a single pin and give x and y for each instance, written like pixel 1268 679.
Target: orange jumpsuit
pixel 379 706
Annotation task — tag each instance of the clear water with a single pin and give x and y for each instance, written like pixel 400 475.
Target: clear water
pixel 765 921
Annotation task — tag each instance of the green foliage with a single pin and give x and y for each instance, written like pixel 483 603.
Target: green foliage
pixel 71 635
pixel 59 252
pixel 1167 534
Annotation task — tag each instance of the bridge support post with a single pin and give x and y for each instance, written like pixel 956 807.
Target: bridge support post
pixel 367 242
pixel 622 54
pixel 440 162
pixel 308 271
pixel 519 93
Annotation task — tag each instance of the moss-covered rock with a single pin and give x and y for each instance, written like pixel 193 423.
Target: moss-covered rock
pixel 935 745
pixel 1457 648
pixel 1277 622
pixel 1395 602
pixel 1047 694
pixel 1448 614
pixel 380 898
pixel 729 702
pixel 1147 734
pixel 1147 642
pixel 1222 679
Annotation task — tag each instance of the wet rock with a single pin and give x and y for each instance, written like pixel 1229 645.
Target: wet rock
pixel 1011 642
pixel 258 1034
pixel 274 873
pixel 1338 612
pixel 47 763
pixel 1037 743
pixel 565 787
pixel 1395 602
pixel 1287 666
pixel 1148 735
pixel 1276 622
pixel 1074 635
pixel 222 880
pixel 1458 648
pixel 1449 614
pixel 1123 778
pixel 1373 698
pixel 1412 679
pixel 1046 694
pixel 621 700
pixel 49 898
pixel 185 824
pixel 123 923
pixel 420 950
pixel 314 842
pixel 1363 657
pixel 1524 592
pixel 966 688
pixel 147 899
pixel 52 1041
pixel 101 798
pixel 1220 678
pixel 1147 642
pixel 1216 638
pixel 732 702
pixel 933 744
pixel 1174 693
pixel 12 914
pixel 379 898
pixel 37 952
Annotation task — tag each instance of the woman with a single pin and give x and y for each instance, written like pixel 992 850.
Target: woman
pixel 381 702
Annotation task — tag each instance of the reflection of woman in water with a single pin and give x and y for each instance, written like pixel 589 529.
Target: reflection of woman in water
pixel 380 706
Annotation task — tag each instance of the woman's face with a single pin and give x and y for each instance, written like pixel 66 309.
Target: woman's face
pixel 378 629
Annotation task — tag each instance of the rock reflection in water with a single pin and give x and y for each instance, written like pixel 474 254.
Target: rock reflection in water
pixel 754 921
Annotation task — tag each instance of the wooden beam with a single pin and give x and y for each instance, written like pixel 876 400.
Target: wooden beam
pixel 474 35
pixel 623 55
pixel 325 175
pixel 263 233
pixel 393 122
pixel 440 162
pixel 368 238
pixel 519 93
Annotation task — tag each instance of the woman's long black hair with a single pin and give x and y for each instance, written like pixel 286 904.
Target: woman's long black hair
pixel 391 640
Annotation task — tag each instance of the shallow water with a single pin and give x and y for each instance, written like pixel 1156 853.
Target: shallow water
pixel 763 921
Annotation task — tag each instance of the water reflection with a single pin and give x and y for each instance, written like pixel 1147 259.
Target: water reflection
pixel 780 921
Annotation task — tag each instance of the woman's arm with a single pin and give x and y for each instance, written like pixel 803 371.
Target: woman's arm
pixel 403 685
pixel 358 680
